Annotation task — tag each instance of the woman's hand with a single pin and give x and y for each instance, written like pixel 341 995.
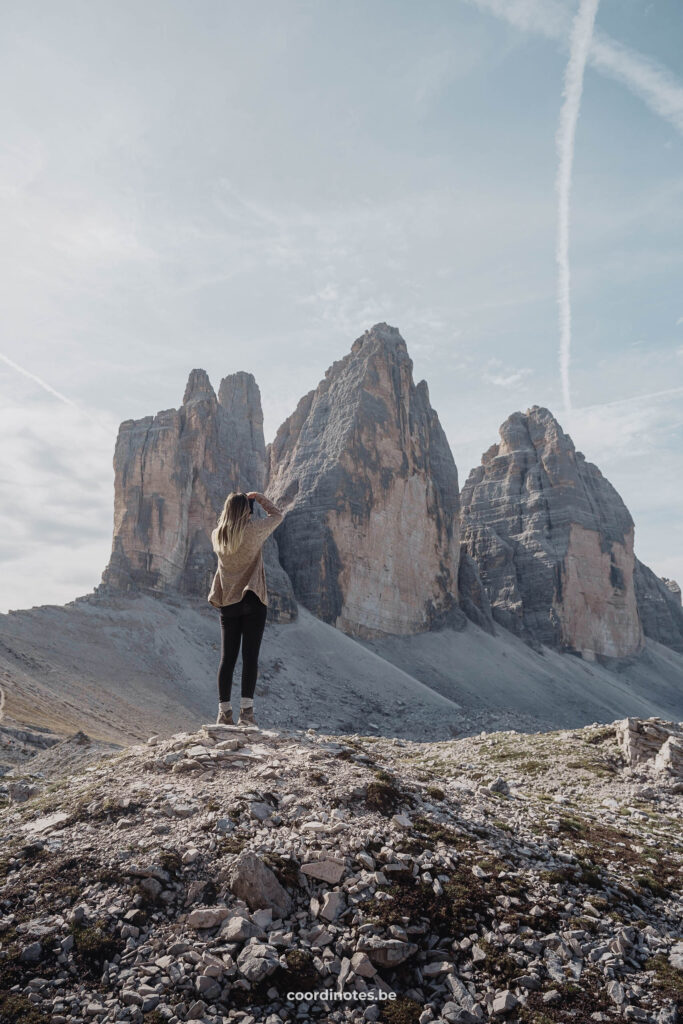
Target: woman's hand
pixel 253 494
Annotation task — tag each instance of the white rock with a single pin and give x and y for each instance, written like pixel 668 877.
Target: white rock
pixel 326 870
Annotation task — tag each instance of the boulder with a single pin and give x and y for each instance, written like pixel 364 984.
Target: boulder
pixel 257 960
pixel 253 881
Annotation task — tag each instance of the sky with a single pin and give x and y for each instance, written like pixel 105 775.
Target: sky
pixel 251 186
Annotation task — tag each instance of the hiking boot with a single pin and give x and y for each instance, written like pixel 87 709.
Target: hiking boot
pixel 247 718
pixel 224 718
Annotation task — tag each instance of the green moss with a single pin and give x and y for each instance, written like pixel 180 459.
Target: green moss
pixel 301 973
pixel 439 833
pixel 646 881
pixel 570 823
pixel 434 793
pixel 171 862
pixel 463 902
pixel 601 735
pixel 668 980
pixel 15 1007
pixel 285 868
pixel 93 944
pixel 401 1011
pixel 384 795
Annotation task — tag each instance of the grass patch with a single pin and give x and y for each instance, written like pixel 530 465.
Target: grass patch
pixel 457 911
pixel 385 795
pixel 15 1007
pixel 668 980
pixel 401 1011
pixel 601 735
pixel 286 869
pixel 434 793
pixel 93 944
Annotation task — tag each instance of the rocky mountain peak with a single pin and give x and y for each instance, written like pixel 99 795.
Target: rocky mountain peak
pixel 382 335
pixel 553 541
pixel 198 387
pixel 172 473
pixel 365 472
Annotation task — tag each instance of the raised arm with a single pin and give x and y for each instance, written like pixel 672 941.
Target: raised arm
pixel 266 504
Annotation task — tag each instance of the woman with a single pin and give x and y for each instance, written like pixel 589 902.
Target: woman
pixel 239 592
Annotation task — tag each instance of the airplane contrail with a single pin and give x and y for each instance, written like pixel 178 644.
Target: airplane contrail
pixel 653 84
pixel 37 380
pixel 582 33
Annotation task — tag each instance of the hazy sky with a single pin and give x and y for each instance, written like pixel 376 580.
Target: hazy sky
pixel 250 186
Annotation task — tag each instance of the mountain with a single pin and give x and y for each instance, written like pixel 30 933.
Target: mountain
pixel 659 604
pixel 553 542
pixel 364 471
pixel 415 615
pixel 172 473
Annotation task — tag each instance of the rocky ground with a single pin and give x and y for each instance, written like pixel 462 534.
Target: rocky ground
pixel 211 877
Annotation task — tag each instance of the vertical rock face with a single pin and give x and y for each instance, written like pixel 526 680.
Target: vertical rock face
pixel 364 470
pixel 172 473
pixel 659 604
pixel 553 541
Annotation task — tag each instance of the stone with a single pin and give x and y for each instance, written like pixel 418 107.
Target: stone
pixel 31 954
pixel 504 1002
pixel 206 917
pixel 326 870
pixel 238 929
pixel 332 906
pixel 257 961
pixel 172 473
pixel 362 965
pixel 553 541
pixel 402 820
pixel 364 471
pixel 18 792
pixel 434 969
pixel 253 881
pixel 616 992
pixel 669 757
pixel 386 952
pixel 460 993
pixel 651 739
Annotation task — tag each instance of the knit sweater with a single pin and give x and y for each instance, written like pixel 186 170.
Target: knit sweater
pixel 243 569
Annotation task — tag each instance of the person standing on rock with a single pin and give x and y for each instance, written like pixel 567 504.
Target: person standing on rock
pixel 240 594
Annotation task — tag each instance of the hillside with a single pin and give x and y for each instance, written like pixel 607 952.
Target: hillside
pixel 211 876
pixel 122 668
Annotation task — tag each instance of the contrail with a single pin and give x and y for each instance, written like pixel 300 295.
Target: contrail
pixel 582 33
pixel 653 84
pixel 37 380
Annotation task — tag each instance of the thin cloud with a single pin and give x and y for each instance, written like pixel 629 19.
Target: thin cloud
pixel 582 32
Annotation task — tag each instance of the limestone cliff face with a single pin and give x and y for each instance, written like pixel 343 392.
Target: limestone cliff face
pixel 553 541
pixel 364 470
pixel 659 604
pixel 172 473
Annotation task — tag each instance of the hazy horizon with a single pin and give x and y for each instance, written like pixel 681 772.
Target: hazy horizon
pixel 236 188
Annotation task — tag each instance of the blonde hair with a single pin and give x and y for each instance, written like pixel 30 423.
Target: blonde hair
pixel 228 535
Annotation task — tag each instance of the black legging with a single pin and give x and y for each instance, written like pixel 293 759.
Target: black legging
pixel 241 622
